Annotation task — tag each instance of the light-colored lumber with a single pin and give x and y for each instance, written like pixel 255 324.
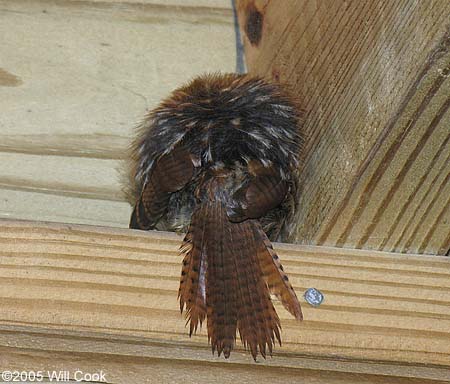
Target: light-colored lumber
pixel 62 175
pixel 76 77
pixel 70 209
pixel 88 68
pixel 225 4
pixel 373 77
pixel 96 145
pixel 71 189
pixel 92 298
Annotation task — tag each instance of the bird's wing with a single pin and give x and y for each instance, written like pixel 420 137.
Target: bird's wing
pixel 264 189
pixel 169 173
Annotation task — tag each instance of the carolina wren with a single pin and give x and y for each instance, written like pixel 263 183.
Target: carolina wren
pixel 217 160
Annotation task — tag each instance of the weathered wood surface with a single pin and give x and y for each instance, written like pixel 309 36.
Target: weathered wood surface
pixel 225 4
pixel 75 79
pixel 374 80
pixel 90 298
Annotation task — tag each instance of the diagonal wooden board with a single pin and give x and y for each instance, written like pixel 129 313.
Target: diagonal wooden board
pixel 373 77
pixel 94 298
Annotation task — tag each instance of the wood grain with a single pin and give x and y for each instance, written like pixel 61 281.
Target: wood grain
pixel 95 67
pixel 28 205
pixel 373 77
pixel 69 176
pixel 225 4
pixel 100 298
pixel 95 145
pixel 76 77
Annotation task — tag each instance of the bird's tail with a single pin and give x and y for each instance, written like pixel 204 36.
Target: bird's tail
pixel 229 270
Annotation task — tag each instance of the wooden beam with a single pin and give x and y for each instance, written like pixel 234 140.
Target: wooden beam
pixel 374 80
pixel 76 77
pixel 91 298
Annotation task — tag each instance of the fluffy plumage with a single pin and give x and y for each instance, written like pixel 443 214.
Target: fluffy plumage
pixel 217 160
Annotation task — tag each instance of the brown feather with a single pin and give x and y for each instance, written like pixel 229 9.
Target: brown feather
pixel 263 194
pixel 221 294
pixel 258 322
pixel 174 169
pixel 274 274
pixel 265 190
pixel 237 296
pixel 170 173
pixel 192 291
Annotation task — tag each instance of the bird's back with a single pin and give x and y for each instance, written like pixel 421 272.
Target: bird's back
pixel 225 122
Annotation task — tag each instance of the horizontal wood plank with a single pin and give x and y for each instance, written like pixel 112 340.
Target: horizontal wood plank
pixel 62 175
pixel 225 4
pixel 27 205
pixel 95 145
pixel 94 68
pixel 76 77
pixel 94 296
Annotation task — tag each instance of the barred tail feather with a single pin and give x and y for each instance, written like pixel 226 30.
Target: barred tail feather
pixel 192 291
pixel 258 322
pixel 274 274
pixel 227 278
pixel 221 296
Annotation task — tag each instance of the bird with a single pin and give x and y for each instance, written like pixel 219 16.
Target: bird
pixel 218 161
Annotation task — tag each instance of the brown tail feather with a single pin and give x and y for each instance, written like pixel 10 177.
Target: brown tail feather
pixel 274 274
pixel 234 264
pixel 259 324
pixel 221 296
pixel 192 291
